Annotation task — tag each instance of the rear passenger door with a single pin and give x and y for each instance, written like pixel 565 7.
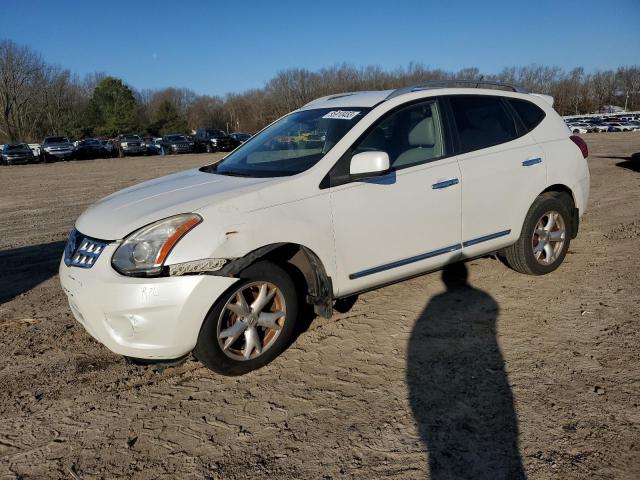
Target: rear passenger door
pixel 502 169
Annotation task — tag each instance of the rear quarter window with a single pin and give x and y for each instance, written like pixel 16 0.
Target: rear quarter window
pixel 530 114
pixel 481 121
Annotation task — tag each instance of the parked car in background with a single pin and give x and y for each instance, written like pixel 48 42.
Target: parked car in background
pixel 130 144
pixel 620 127
pixel 220 259
pixel 15 154
pixel 599 126
pixel 577 128
pixel 212 140
pixel 109 148
pixel 239 138
pixel 57 148
pixel 176 143
pixel 36 150
pixel 632 127
pixel 90 148
pixel 151 145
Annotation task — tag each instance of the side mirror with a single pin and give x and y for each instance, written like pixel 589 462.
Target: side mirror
pixel 369 164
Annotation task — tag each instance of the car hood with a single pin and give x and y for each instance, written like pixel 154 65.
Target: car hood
pixel 119 214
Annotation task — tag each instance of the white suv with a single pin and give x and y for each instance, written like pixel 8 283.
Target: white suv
pixel 349 193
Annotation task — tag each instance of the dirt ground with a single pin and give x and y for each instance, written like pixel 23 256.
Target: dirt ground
pixel 506 376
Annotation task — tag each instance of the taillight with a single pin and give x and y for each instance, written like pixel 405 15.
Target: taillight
pixel 582 145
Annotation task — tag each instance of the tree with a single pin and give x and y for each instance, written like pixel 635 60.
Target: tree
pixel 113 108
pixel 167 119
pixel 18 68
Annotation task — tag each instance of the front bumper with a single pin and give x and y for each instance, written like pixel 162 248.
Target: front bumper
pixel 150 318
pixel 18 160
pixel 181 149
pixel 59 153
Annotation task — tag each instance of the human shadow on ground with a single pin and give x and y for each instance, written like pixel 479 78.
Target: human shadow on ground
pixel 632 162
pixel 25 267
pixel 458 387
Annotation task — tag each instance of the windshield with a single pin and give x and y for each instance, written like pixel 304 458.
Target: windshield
pixel 175 138
pixel 292 145
pixel 211 132
pixel 17 146
pixel 56 140
pixel 131 137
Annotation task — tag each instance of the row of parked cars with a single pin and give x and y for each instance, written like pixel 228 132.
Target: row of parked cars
pixel 61 148
pixel 597 124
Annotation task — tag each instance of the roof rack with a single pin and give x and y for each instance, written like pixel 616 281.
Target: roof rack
pixel 439 83
pixel 329 97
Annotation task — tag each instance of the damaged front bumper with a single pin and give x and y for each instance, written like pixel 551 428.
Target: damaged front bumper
pixel 150 318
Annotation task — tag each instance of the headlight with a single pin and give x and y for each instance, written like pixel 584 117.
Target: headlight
pixel 145 250
pixel 214 140
pixel 47 149
pixel 123 144
pixel 173 145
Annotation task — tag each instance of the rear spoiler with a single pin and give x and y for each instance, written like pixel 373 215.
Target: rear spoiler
pixel 546 98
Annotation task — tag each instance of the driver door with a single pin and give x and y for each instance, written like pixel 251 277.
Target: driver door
pixel 407 221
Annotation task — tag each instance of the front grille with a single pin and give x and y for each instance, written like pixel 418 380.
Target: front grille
pixel 82 251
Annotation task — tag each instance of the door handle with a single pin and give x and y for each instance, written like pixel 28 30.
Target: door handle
pixel 445 183
pixel 531 161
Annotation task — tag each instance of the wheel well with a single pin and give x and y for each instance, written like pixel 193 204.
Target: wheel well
pixel 575 215
pixel 559 188
pixel 301 263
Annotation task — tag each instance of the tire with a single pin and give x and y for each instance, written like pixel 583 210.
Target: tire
pixel 231 360
pixel 209 148
pixel 120 153
pixel 530 254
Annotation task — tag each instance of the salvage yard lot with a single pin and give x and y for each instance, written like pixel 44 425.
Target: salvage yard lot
pixel 356 396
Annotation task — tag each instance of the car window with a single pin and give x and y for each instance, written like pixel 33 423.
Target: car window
pixel 481 121
pixel 530 114
pixel 410 136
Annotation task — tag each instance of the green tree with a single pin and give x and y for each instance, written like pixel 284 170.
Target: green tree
pixel 112 108
pixel 167 119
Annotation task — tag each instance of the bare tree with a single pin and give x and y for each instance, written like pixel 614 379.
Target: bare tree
pixel 18 67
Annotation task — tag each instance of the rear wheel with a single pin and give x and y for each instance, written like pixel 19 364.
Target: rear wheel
pixel 251 324
pixel 545 236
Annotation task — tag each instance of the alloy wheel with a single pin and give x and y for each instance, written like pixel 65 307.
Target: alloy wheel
pixel 251 320
pixel 548 237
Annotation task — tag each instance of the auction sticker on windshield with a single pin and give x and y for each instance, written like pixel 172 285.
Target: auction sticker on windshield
pixel 341 114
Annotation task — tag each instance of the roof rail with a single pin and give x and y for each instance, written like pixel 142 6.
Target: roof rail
pixel 329 97
pixel 439 83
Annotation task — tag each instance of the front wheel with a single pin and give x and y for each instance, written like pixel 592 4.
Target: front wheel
pixel 251 324
pixel 545 236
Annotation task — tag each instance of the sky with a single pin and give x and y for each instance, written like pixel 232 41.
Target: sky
pixel 215 47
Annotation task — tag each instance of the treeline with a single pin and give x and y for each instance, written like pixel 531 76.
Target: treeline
pixel 39 99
